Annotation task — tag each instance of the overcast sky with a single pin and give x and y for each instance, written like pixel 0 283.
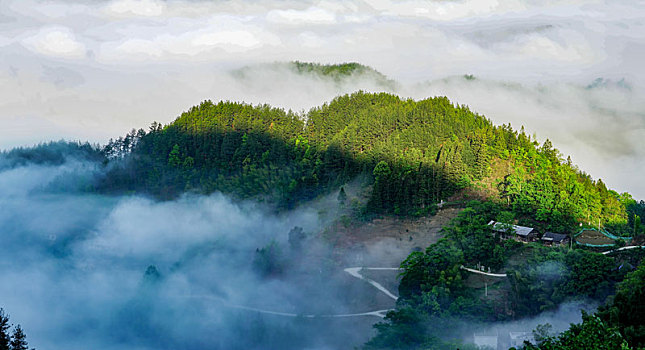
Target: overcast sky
pixel 91 70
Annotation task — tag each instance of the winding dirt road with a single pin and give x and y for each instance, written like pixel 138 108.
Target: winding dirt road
pixel 353 271
pixel 502 275
pixel 356 272
pixel 623 248
pixel 377 313
pixel 392 238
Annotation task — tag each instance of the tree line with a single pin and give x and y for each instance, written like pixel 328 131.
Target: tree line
pixel 413 153
pixel 11 340
pixel 437 304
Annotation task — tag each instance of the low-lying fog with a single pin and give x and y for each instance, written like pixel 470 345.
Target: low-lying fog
pixel 84 271
pixel 93 70
pixel 80 270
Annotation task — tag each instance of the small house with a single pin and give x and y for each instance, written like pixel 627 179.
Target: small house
pixel 520 233
pixel 555 239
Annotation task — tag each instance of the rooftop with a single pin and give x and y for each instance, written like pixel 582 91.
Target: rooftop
pixel 553 237
pixel 519 230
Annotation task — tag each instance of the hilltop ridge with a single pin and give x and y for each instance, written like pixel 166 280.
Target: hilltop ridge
pixel 346 73
pixel 410 154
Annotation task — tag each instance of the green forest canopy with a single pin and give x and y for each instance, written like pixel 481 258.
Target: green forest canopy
pixel 415 154
pixel 440 302
pixel 409 155
pixel 338 73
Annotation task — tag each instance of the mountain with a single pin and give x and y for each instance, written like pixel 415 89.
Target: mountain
pixel 343 74
pixel 407 157
pixel 399 159
pixel 410 155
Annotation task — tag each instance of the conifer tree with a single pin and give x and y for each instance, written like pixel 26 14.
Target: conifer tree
pixel 19 340
pixel 5 338
pixel 342 196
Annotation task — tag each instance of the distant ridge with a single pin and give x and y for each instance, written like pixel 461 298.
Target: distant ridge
pixel 340 73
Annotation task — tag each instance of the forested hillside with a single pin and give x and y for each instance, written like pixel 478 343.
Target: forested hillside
pixel 11 340
pixel 440 304
pixel 337 73
pixel 415 153
pixel 401 158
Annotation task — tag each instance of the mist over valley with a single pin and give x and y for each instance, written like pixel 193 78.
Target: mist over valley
pixel 358 174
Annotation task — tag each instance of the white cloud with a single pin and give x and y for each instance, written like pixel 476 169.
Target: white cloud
pixel 227 38
pixel 357 18
pixel 47 10
pixel 199 43
pixel 310 39
pixel 146 8
pixel 338 6
pixel 575 48
pixel 444 10
pixel 177 52
pixel 211 37
pixel 139 48
pixel 312 15
pixel 4 41
pixel 55 41
pixel 58 10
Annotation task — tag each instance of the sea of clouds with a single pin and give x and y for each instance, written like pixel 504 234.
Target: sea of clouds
pixel 567 70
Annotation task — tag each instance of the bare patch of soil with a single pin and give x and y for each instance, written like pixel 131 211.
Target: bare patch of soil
pixel 387 241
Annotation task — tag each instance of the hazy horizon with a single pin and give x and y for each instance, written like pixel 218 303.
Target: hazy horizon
pixel 84 269
pixel 93 70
